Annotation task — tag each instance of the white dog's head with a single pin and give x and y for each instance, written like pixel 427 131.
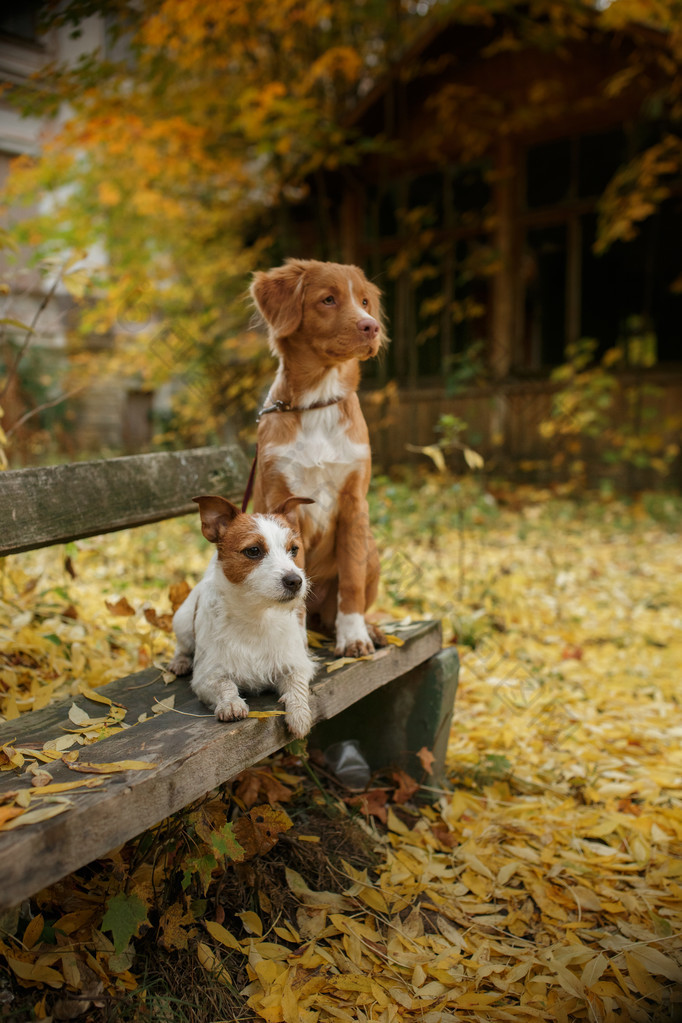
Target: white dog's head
pixel 260 553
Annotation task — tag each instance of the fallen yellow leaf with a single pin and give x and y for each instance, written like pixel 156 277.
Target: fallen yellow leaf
pixel 111 768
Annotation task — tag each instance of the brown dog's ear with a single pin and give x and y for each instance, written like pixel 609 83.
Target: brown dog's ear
pixel 216 515
pixel 288 509
pixel 278 295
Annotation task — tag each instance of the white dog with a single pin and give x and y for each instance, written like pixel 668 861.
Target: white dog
pixel 242 627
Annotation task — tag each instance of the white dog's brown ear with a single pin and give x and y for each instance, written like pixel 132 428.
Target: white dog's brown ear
pixel 278 295
pixel 288 508
pixel 216 515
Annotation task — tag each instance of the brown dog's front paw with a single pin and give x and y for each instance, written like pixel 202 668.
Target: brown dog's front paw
pixel 356 648
pixel 376 635
pixel 352 637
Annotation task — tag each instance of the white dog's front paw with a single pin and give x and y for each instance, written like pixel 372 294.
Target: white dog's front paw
pixel 231 709
pixel 352 637
pixel 299 719
pixel 181 664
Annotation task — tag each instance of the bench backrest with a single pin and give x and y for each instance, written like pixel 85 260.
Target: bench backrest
pixel 59 503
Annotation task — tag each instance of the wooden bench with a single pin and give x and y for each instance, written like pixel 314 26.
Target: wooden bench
pixel 192 753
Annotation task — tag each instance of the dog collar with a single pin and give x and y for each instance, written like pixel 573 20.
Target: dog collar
pixel 284 406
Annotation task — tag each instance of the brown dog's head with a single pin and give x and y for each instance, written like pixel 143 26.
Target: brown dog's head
pixel 330 308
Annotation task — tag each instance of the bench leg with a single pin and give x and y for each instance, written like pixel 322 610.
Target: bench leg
pixel 394 722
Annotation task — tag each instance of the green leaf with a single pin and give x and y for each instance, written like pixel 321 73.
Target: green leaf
pixel 298 747
pixel 225 842
pixel 124 915
pixel 204 867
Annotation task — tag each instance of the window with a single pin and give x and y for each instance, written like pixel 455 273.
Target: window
pixel 22 21
pixel 435 296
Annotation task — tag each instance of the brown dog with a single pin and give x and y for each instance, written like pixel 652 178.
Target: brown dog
pixel 323 318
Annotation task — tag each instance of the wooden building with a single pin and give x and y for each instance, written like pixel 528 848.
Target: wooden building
pixel 477 216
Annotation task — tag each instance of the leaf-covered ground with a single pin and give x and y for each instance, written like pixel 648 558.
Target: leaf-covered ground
pixel 546 884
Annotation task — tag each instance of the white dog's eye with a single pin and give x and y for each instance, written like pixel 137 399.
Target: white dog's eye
pixel 293 552
pixel 253 552
pixel 329 300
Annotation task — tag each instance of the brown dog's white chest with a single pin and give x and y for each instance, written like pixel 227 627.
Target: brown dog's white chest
pixel 318 461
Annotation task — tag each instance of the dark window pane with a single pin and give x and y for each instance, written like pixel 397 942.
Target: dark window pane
pixel 429 320
pixel 599 158
pixel 548 173
pixel 471 188
pixel 427 190
pixel 546 294
pixel 22 21
pixel 667 304
pixel 388 219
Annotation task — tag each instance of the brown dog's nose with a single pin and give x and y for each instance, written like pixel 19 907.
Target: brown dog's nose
pixel 368 326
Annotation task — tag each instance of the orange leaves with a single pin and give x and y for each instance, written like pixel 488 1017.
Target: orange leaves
pixel 108 193
pixel 258 831
pixel 342 61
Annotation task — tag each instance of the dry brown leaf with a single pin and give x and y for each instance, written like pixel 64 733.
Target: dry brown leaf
pixel 163 622
pixel 372 803
pixel 178 594
pixel 258 831
pixel 426 759
pixel 406 786
pixel 120 607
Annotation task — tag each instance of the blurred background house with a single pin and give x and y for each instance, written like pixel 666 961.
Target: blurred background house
pixel 492 143
pixel 479 222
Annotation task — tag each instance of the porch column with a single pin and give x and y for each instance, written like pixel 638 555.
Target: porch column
pixel 503 316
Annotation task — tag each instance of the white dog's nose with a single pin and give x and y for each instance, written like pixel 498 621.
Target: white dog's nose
pixel 292 582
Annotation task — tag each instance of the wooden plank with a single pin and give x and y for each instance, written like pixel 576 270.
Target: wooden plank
pixel 193 754
pixel 58 503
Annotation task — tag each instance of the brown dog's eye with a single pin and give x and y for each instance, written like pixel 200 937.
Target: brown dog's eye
pixel 329 300
pixel 365 302
pixel 252 552
pixel 293 552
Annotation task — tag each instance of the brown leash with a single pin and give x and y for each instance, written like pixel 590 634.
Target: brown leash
pixel 279 406
pixel 250 482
